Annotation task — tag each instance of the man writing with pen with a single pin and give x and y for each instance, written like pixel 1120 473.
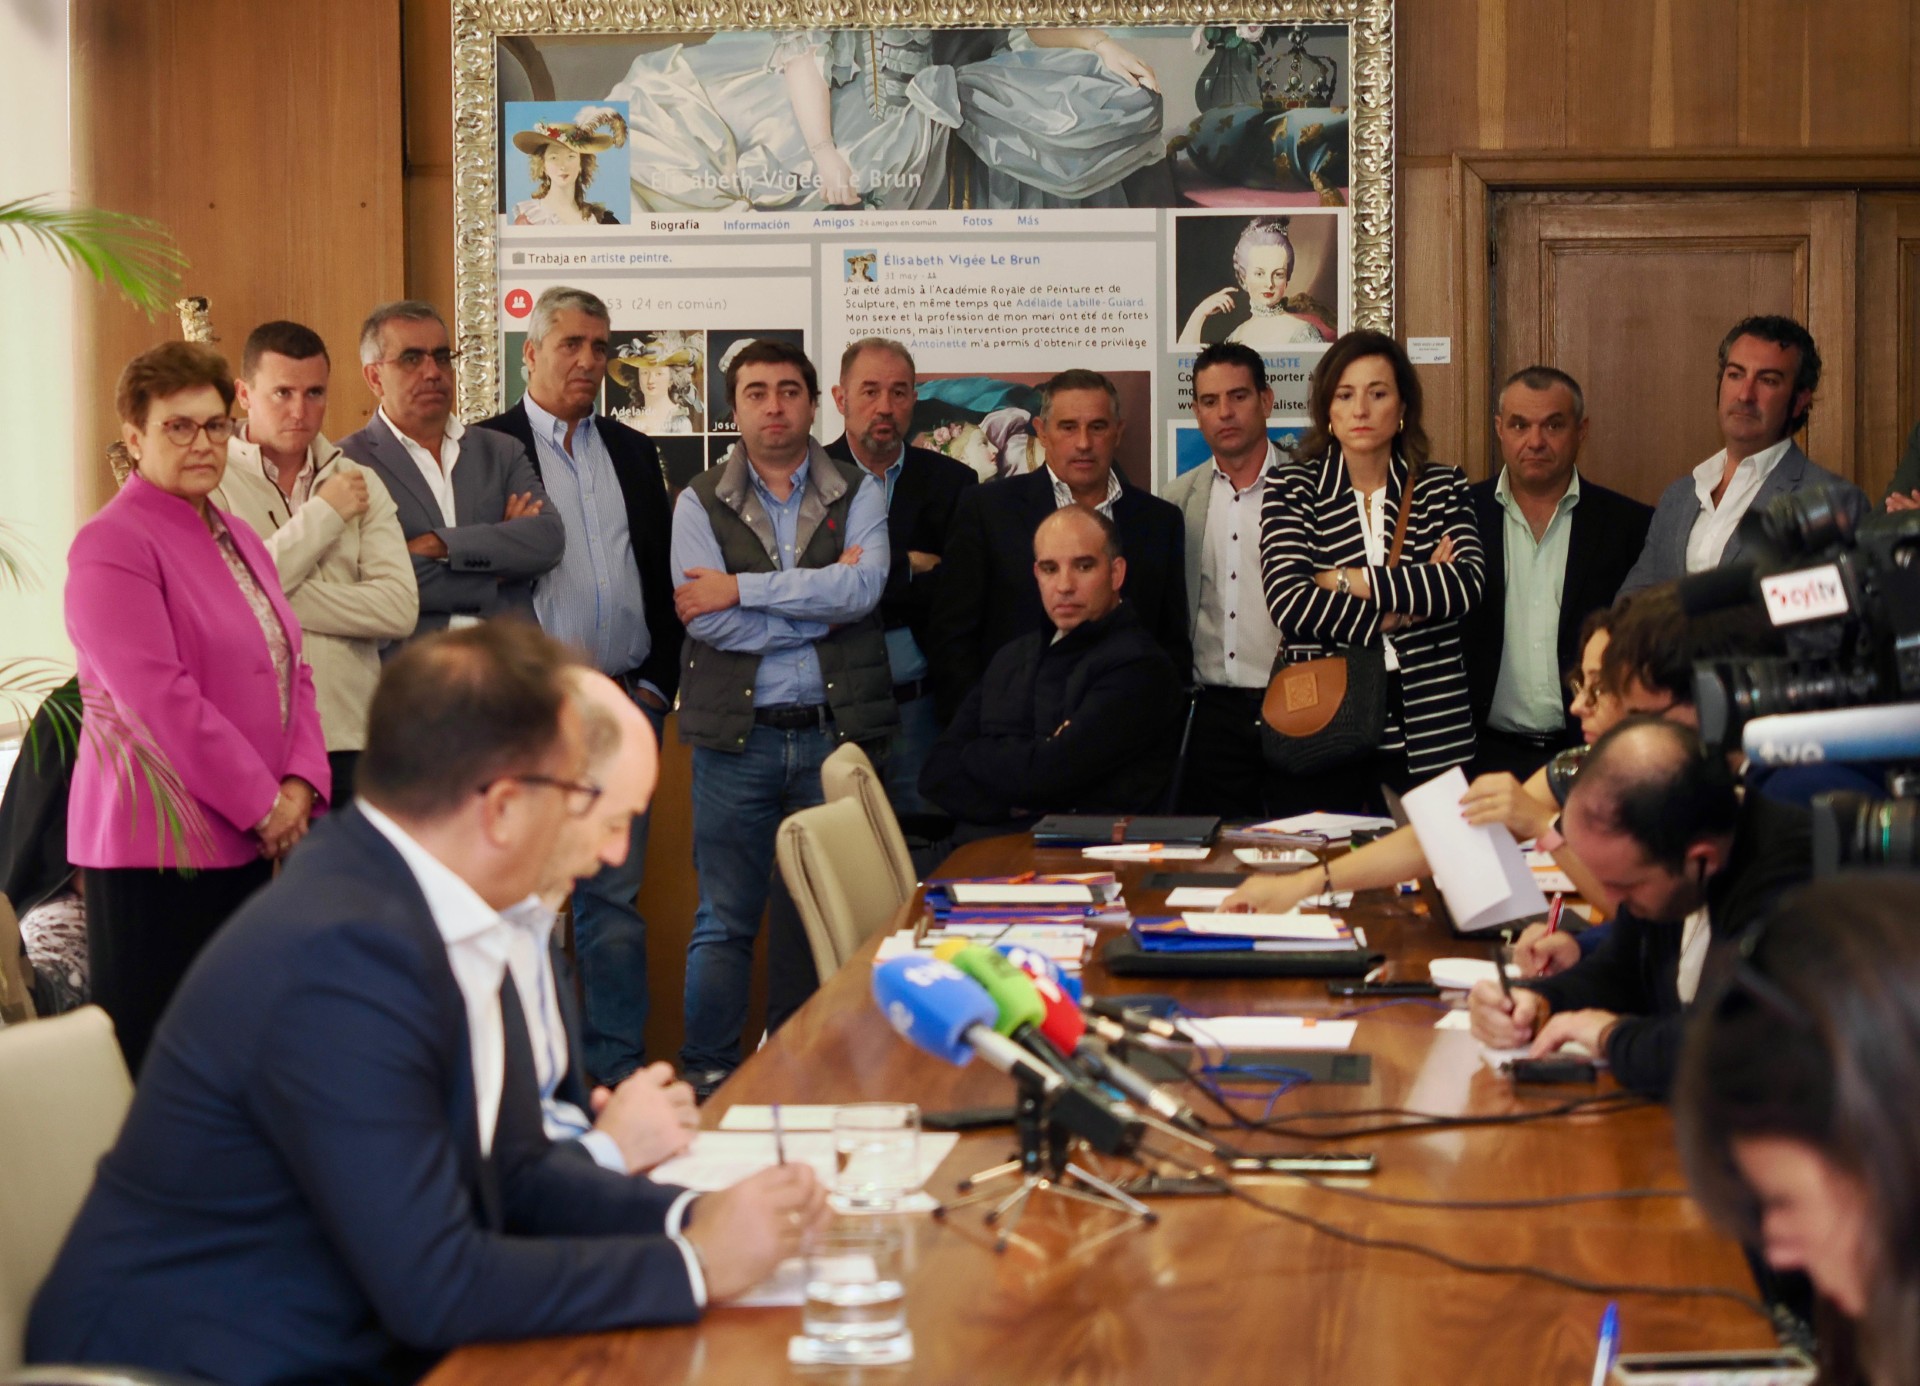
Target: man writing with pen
pixel 1656 818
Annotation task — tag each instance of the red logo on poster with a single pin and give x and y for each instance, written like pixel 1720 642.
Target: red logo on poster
pixel 519 303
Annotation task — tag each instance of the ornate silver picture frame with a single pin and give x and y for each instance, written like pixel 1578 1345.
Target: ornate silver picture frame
pixel 1010 192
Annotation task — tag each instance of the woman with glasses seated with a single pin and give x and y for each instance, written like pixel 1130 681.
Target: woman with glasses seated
pixel 1796 1118
pixel 202 759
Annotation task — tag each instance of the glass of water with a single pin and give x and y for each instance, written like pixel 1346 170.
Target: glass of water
pixel 876 1154
pixel 856 1306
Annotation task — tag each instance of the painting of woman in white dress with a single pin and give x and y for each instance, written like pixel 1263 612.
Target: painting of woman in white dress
pixel 654 383
pixel 1269 304
pixel 895 118
pixel 563 155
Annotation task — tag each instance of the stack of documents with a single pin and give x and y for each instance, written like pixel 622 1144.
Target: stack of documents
pixel 1200 931
pixel 1308 827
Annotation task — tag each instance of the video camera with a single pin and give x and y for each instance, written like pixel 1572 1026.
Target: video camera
pixel 1843 602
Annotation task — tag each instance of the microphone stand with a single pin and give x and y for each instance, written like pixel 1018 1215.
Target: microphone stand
pixel 1042 1165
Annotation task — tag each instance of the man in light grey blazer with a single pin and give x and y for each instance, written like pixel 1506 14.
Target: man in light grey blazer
pixel 470 502
pixel 1234 638
pixel 1769 369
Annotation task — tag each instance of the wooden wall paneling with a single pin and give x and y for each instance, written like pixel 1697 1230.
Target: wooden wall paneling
pixel 1856 58
pixel 1889 335
pixel 1706 80
pixel 1608 47
pixel 1774 61
pixel 1633 294
pixel 1423 288
pixel 1536 62
pixel 1436 79
pixel 428 29
pixel 265 139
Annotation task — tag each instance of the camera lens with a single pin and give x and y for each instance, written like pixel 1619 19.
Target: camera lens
pixel 1855 830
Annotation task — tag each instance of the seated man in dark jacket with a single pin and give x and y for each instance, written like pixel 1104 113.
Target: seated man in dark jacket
pixel 1080 718
pixel 1656 817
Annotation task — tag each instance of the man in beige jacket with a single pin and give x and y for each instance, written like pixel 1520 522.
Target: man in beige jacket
pixel 330 525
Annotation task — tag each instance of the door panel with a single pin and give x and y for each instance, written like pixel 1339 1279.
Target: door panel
pixel 1632 294
pixel 1889 332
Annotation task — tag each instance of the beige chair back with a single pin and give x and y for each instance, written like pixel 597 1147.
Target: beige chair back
pixel 16 1002
pixel 64 1092
pixel 841 882
pixel 848 774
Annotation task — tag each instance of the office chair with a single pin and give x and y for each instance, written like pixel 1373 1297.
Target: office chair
pixel 848 774
pixel 843 883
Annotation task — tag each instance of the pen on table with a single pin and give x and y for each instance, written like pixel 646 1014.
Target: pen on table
pixel 779 1137
pixel 1500 962
pixel 1553 915
pixel 1609 1344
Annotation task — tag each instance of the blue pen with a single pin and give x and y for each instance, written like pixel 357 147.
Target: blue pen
pixel 1609 1345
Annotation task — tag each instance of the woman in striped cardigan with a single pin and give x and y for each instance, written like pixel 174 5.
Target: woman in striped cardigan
pixel 1325 531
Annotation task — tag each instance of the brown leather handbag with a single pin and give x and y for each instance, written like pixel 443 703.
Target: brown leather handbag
pixel 1321 713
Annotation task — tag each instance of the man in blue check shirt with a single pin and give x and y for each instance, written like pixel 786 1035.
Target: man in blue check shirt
pixel 780 556
pixel 611 598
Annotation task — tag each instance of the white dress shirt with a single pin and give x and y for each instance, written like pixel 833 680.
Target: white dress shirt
pixel 481 943
pixel 438 474
pixel 1695 935
pixel 1234 639
pixel 1715 524
pixel 1063 495
pixel 1374 529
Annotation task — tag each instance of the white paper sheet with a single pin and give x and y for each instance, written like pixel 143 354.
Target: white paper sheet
pixel 1198 897
pixel 1336 827
pixel 1319 928
pixel 1270 1031
pixel 721 1159
pixel 1480 870
pixel 1031 893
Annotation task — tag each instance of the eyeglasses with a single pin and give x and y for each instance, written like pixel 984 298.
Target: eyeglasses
pixel 181 432
pixel 581 795
pixel 413 358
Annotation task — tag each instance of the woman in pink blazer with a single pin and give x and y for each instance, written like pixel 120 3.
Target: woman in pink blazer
pixel 189 653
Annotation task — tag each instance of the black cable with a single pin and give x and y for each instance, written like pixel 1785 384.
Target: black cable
pixel 1610 1289
pixel 1483 1205
pixel 1285 1122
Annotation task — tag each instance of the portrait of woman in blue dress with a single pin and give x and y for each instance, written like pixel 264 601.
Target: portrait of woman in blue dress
pixel 905 119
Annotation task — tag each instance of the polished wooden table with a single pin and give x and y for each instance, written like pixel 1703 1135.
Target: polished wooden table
pixel 1219 1291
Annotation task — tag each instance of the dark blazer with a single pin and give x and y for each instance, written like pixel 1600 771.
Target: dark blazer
pixel 1086 723
pixel 1310 523
pixel 491 561
pixel 919 516
pixel 636 463
pixel 299 1191
pixel 1607 533
pixel 1635 972
pixel 1664 559
pixel 988 595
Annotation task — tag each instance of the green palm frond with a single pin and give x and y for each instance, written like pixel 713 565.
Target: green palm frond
pixel 16 559
pixel 134 255
pixel 46 692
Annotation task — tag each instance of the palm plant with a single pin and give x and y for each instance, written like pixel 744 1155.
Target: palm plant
pixel 139 260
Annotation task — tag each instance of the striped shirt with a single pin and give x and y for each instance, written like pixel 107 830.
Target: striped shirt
pixel 1310 524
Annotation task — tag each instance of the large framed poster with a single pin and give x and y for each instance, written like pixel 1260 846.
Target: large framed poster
pixel 1006 201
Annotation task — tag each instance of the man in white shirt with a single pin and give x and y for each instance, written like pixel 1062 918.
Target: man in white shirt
pixel 1234 638
pixel 343 562
pixel 1769 370
pixel 470 503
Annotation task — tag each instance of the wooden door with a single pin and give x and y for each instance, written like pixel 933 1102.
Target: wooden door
pixel 1889 333
pixel 1631 294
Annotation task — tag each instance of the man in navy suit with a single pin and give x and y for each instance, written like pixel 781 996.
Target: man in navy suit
pixel 987 595
pixel 876 395
pixel 334 1167
pixel 1558 545
pixel 611 596
pixel 1769 369
pixel 470 504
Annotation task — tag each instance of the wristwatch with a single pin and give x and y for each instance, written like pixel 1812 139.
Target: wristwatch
pixel 1342 584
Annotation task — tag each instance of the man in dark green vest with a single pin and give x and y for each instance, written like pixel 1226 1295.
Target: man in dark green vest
pixel 779 559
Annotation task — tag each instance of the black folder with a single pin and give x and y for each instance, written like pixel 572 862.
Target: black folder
pixel 1108 829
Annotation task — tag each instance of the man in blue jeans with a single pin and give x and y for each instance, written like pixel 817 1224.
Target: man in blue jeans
pixel 611 598
pixel 780 555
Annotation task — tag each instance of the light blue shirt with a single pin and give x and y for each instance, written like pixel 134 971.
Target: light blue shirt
pixel 1527 696
pixel 904 655
pixel 782 614
pixel 592 598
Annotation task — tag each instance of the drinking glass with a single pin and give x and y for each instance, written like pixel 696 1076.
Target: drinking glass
pixel 876 1154
pixel 856 1307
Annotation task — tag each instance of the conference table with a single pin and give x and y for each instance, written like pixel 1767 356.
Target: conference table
pixel 1219 1290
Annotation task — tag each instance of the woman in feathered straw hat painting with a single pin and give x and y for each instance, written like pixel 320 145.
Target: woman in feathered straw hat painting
pixel 561 156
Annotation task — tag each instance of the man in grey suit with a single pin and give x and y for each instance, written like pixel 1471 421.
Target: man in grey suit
pixel 1234 638
pixel 472 508
pixel 1769 369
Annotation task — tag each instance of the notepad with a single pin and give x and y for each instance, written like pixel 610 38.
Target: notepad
pixel 1025 893
pixel 1316 928
pixel 720 1159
